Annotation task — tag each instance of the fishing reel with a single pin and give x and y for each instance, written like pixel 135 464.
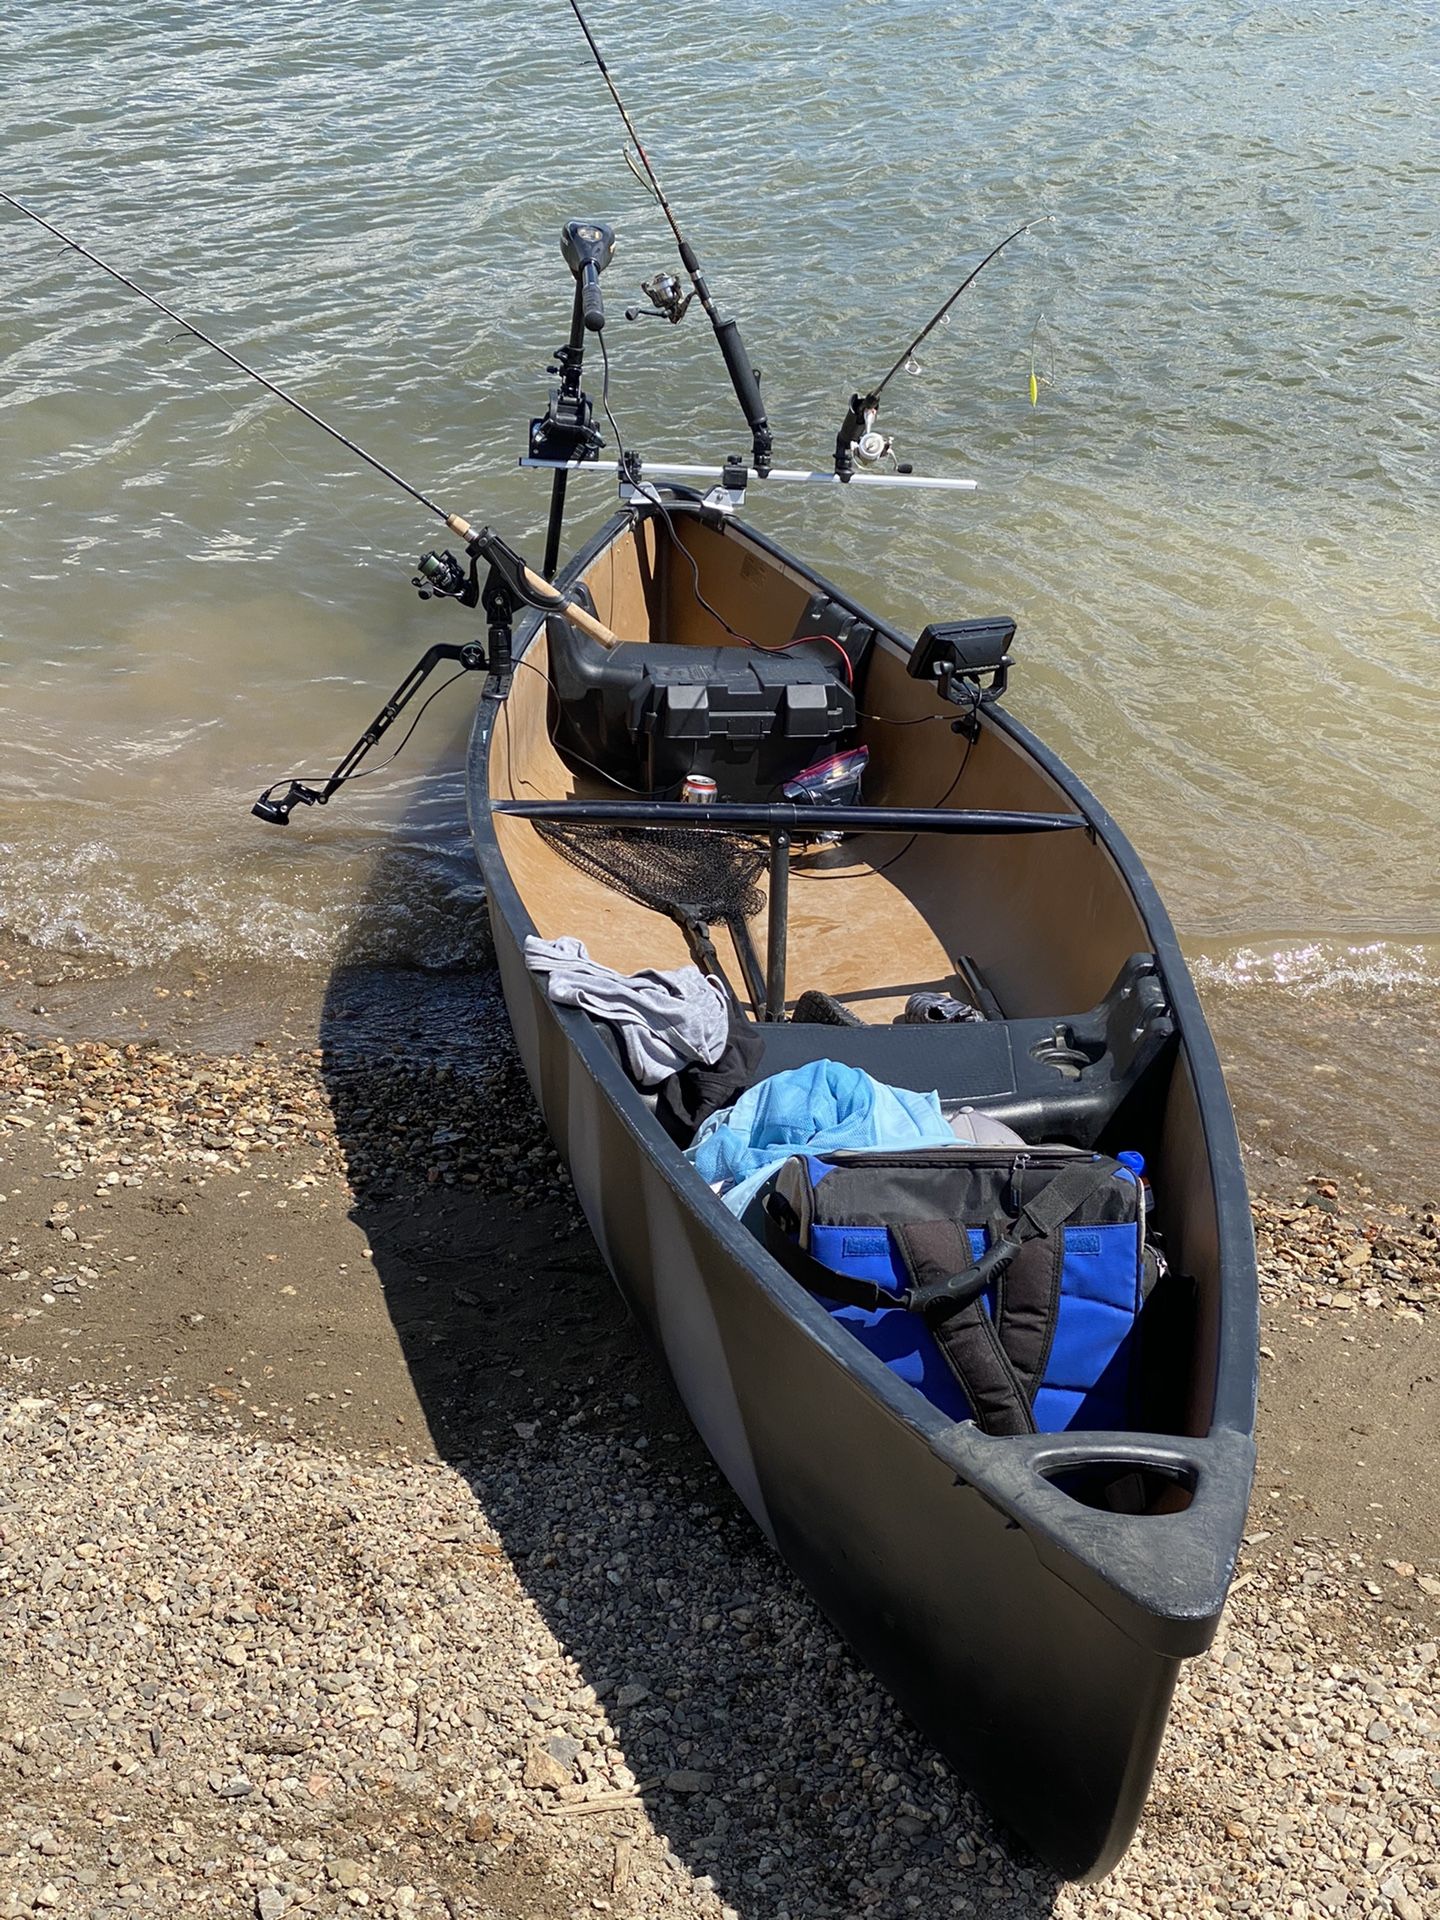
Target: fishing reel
pixel 663 292
pixel 860 443
pixel 441 577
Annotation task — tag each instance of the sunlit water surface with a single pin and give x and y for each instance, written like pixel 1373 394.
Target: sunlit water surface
pixel 1217 530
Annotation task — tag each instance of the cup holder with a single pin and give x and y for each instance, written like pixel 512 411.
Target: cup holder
pixel 1068 1056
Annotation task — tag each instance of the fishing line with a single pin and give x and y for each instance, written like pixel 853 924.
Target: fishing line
pixel 363 773
pixel 652 494
pixel 370 460
pixel 938 316
pixel 743 377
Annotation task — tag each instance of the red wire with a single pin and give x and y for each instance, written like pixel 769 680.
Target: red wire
pixel 805 640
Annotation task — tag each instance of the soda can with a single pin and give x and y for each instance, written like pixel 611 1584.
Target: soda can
pixel 699 789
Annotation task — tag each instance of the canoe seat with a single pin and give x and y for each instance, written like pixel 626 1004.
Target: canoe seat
pixel 1062 1079
pixel 1053 1078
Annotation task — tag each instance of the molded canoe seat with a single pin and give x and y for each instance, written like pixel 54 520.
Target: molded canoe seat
pixel 1053 1078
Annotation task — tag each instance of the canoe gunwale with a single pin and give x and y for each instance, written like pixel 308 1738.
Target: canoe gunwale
pixel 1161 1577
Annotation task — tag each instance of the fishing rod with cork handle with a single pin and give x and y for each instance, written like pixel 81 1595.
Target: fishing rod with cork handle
pixel 511 583
pixel 743 376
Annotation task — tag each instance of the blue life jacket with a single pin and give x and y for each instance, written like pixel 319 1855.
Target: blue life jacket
pixel 1004 1284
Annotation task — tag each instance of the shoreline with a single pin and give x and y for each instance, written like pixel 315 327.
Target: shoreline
pixel 232 1007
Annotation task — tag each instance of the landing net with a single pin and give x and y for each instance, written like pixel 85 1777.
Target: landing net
pixel 686 873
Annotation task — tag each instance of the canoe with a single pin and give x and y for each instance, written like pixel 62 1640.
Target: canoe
pixel 1028 1621
pixel 1027 1597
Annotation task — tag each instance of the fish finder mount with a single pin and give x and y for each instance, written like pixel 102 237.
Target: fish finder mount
pixel 440 576
pixel 953 655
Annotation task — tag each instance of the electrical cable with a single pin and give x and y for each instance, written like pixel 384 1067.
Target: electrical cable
pixel 885 866
pixel 363 773
pixel 652 494
pixel 642 793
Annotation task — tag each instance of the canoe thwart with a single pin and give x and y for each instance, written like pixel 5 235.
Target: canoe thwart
pixel 756 817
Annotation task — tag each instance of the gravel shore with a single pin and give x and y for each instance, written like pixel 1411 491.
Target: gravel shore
pixel 354 1555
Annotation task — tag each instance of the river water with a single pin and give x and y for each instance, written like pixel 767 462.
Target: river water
pixel 1217 529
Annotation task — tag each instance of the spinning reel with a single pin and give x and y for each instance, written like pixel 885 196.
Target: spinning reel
pixel 442 577
pixel 662 290
pixel 860 442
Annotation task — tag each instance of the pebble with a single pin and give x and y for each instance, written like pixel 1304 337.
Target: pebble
pixel 1329 1253
pixel 148 1109
pixel 774 1776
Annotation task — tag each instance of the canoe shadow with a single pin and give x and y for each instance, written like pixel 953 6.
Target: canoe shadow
pixel 766 1757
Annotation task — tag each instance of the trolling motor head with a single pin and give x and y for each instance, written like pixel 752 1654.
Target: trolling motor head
pixel 586 246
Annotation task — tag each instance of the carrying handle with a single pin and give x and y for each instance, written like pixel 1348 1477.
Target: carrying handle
pixel 958 1290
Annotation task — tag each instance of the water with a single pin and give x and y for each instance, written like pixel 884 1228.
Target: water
pixel 1218 529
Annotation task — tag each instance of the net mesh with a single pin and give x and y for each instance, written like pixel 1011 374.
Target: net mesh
pixel 687 874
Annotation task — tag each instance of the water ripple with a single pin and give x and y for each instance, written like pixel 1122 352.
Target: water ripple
pixel 1218 529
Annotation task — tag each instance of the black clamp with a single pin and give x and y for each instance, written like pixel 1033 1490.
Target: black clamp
pixel 566 430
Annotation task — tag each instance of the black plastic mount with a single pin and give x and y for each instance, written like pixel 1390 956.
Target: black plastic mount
pixel 953 654
pixel 851 428
pixel 275 807
pixel 566 430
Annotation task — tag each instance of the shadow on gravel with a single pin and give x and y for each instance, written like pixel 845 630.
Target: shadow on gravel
pixel 768 1758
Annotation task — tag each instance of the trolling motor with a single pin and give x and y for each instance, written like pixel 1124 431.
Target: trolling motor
pixel 566 430
pixel 586 247
pixel 509 585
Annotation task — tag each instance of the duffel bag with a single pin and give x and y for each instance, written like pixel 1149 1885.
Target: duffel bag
pixel 1004 1284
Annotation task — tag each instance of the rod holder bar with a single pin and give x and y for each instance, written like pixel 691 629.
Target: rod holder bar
pixel 672 470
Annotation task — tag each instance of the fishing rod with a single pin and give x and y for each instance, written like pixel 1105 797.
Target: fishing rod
pixel 234 359
pixel 743 376
pixel 546 595
pixel 509 584
pixel 858 438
